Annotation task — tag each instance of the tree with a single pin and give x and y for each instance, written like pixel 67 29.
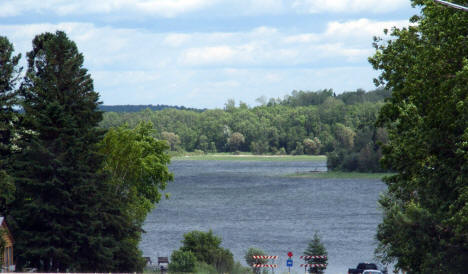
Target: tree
pixel 7 193
pixel 137 164
pixel 203 143
pixel 182 261
pixel 251 261
pixel 425 210
pixel 345 135
pixel 312 146
pixel 172 139
pixel 206 248
pixel 235 141
pixel 316 248
pixel 62 218
pixel 9 74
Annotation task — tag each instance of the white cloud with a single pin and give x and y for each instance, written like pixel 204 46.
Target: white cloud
pixel 208 55
pixel 302 38
pixel 165 8
pixel 176 39
pixel 151 65
pixel 174 8
pixel 264 6
pixel 348 6
pixel 361 27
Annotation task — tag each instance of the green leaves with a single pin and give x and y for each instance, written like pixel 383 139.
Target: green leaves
pixel 425 66
pixel 205 246
pixel 137 163
pixel 316 248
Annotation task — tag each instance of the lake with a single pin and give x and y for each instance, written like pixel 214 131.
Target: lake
pixel 251 204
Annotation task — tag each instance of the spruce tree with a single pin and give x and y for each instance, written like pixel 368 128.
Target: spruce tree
pixel 62 217
pixel 316 248
pixel 9 74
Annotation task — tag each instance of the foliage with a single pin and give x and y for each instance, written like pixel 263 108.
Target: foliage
pixel 182 261
pixel 2 246
pixel 64 216
pixel 137 164
pixel 312 146
pixel 250 157
pixel 137 108
pixel 425 210
pixel 172 139
pixel 9 74
pixel 238 268
pixel 7 193
pixel 316 248
pixel 251 261
pixel 235 141
pixel 322 123
pixel 206 248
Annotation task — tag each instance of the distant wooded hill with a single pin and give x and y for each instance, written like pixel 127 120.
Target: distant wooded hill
pixel 138 108
pixel 342 126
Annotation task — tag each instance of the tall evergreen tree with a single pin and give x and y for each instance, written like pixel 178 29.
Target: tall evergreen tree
pixel 425 224
pixel 9 74
pixel 62 217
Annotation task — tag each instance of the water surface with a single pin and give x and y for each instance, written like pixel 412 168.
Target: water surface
pixel 249 204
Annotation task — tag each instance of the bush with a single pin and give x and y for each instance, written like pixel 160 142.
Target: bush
pixel 251 261
pixel 240 269
pixel 223 260
pixel 182 261
pixel 202 267
pixel 206 248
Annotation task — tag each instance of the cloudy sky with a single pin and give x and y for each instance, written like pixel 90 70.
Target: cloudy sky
pixel 199 53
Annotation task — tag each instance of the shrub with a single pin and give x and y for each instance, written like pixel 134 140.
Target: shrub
pixel 251 261
pixel 182 261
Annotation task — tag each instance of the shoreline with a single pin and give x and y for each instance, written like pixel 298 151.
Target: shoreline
pixel 339 175
pixel 250 157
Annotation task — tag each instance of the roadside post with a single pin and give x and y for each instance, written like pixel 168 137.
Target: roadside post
pixel 272 266
pixel 305 264
pixel 289 261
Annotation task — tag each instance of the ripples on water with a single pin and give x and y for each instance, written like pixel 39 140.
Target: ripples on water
pixel 251 204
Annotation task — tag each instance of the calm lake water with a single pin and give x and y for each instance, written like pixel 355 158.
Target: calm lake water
pixel 250 204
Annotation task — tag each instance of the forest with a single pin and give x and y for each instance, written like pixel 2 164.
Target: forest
pixel 305 122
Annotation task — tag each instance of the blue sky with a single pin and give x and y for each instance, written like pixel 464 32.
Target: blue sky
pixel 200 53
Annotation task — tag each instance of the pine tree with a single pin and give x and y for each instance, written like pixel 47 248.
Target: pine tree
pixel 9 73
pixel 316 248
pixel 62 217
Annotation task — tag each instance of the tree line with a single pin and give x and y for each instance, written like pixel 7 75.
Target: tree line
pixel 67 201
pixel 136 108
pixel 304 122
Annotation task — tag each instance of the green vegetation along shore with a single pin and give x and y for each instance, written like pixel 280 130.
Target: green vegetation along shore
pixel 339 175
pixel 250 157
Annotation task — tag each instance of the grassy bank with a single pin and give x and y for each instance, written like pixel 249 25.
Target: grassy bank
pixel 250 157
pixel 339 175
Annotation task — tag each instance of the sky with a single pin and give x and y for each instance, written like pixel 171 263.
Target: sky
pixel 200 53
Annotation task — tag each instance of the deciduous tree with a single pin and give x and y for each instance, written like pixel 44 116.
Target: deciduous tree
pixel 425 225
pixel 137 164
pixel 251 261
pixel 235 141
pixel 206 248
